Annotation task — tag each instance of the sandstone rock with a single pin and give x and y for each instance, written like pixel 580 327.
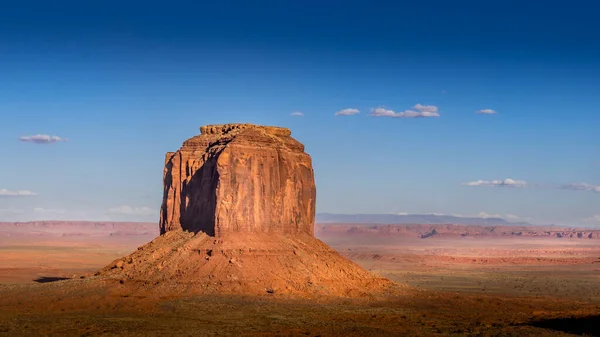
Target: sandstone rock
pixel 239 178
pixel 238 217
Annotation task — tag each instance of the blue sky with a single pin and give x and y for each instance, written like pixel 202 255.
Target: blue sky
pixel 123 83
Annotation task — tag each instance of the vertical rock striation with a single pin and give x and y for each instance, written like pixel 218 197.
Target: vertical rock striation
pixel 239 178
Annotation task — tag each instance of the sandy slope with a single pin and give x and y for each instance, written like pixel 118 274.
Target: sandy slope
pixel 243 263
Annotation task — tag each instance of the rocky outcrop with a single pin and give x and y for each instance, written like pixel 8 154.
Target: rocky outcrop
pixel 238 217
pixel 239 178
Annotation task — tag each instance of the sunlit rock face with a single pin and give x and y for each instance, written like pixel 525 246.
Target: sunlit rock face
pixel 239 178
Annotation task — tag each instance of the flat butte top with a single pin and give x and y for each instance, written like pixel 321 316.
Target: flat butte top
pixel 244 134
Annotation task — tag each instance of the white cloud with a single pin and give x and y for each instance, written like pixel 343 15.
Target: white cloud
pixel 508 182
pixel 417 112
pixel 485 215
pixel 482 215
pixel 507 216
pixel 426 108
pixel 486 112
pixel 519 183
pixel 595 219
pixel 347 112
pixel 42 139
pixel 128 210
pixel 512 216
pixel 49 211
pixel 297 114
pixel 22 193
pixel 581 187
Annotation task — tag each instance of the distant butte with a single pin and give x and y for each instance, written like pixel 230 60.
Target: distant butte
pixel 238 217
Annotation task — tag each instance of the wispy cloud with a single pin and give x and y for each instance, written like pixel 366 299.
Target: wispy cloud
pixel 297 114
pixel 21 193
pixel 42 139
pixel 594 219
pixel 519 183
pixel 486 112
pixel 128 210
pixel 482 215
pixel 347 112
pixel 581 187
pixel 508 182
pixel 506 216
pixel 417 111
pixel 486 215
pixel 49 210
pixel 513 217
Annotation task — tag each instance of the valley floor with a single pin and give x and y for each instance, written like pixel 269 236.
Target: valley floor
pixel 460 286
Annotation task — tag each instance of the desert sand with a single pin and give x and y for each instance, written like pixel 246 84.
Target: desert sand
pixel 506 286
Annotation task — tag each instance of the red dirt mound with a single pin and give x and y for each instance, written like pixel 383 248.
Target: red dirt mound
pixel 243 263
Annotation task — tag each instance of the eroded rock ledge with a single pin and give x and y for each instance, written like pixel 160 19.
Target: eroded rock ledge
pixel 224 129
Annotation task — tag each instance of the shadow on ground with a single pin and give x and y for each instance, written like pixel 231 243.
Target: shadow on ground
pixel 583 326
pixel 48 279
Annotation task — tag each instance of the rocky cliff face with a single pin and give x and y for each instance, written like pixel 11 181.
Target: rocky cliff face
pixel 239 178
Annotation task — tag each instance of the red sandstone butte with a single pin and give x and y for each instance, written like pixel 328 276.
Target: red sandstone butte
pixel 238 217
pixel 239 178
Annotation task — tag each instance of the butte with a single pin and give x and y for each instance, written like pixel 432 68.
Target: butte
pixel 238 217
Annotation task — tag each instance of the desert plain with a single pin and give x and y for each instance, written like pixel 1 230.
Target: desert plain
pixel 453 280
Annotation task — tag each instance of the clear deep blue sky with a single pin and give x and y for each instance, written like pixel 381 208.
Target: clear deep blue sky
pixel 127 81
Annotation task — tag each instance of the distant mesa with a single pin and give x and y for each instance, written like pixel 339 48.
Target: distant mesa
pixel 238 217
pixel 426 231
pixel 412 219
